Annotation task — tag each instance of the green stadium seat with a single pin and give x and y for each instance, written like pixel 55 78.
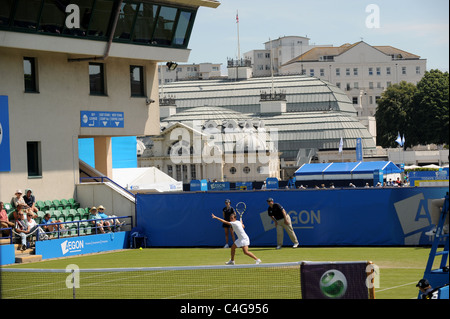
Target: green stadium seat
pixel 73 203
pixel 83 213
pixel 65 213
pixel 40 217
pixel 73 230
pixel 55 214
pixel 8 207
pixel 72 213
pixel 49 204
pixel 65 203
pixel 57 204
pixel 41 205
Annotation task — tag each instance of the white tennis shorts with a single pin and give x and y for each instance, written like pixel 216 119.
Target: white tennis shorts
pixel 242 242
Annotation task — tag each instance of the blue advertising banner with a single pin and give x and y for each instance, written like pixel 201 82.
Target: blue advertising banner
pixel 5 158
pixel 219 186
pixel 359 152
pixel 358 216
pixel 271 183
pixel 71 246
pixel 7 254
pixel 427 175
pixel 244 185
pixel 199 185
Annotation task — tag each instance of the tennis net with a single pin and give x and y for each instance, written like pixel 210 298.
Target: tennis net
pixel 263 281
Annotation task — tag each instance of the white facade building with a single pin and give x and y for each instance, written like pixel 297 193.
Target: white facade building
pixel 362 71
pixel 202 71
pixel 281 50
pixel 236 149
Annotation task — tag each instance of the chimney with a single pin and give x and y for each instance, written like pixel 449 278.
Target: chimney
pixel 274 103
pixel 240 69
pixel 167 106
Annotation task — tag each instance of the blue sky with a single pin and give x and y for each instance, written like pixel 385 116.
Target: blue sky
pixel 417 26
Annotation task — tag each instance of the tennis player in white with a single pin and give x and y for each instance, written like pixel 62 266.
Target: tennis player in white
pixel 242 242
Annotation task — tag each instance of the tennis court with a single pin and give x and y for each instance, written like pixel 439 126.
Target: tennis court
pixel 399 271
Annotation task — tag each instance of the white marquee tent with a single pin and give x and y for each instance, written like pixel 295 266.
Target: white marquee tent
pixel 145 179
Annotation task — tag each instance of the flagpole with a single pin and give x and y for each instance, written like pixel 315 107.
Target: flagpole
pixel 237 23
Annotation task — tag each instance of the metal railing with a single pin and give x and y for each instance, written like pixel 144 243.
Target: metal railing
pixel 92 228
pixel 101 179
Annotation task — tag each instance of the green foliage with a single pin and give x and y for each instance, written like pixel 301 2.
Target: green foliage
pixel 419 112
pixel 392 113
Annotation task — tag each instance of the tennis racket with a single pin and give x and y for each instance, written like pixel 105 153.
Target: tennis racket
pixel 240 209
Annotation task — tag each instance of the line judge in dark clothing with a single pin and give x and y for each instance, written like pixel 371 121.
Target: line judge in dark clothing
pixel 282 221
pixel 227 211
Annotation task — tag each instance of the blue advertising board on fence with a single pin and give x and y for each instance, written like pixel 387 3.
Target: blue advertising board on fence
pixel 427 175
pixel 5 155
pixel 271 183
pixel 71 246
pixel 358 216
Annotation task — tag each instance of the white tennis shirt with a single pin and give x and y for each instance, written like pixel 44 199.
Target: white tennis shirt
pixel 239 230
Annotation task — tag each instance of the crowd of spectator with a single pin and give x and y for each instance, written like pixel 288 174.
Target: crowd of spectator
pixel 19 221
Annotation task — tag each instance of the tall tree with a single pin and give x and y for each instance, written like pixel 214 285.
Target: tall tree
pixel 429 110
pixel 392 112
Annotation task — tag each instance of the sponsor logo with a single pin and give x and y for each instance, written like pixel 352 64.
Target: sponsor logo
pixel 304 219
pixel 72 246
pixel 333 284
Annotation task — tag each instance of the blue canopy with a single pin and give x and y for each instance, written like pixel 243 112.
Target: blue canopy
pixel 359 169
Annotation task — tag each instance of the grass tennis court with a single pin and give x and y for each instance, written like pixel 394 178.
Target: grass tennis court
pixel 400 270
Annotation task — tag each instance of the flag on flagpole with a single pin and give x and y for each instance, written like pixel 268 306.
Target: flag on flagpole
pixel 403 140
pixel 341 145
pixel 237 17
pixel 399 139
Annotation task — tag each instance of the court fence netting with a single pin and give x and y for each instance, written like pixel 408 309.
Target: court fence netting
pixel 263 281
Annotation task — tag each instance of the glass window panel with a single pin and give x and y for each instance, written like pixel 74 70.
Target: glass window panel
pixel 34 159
pixel 126 19
pixel 53 17
pixel 100 18
pixel 5 11
pixel 164 26
pixel 181 37
pixel 145 22
pixel 96 79
pixel 137 80
pixel 29 73
pixel 85 17
pixel 27 14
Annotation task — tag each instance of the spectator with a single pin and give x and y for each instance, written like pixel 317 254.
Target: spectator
pixel 101 212
pixel 426 291
pixel 22 229
pixel 4 221
pixel 33 226
pixel 50 225
pixel 18 199
pixel 30 200
pixel 97 220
